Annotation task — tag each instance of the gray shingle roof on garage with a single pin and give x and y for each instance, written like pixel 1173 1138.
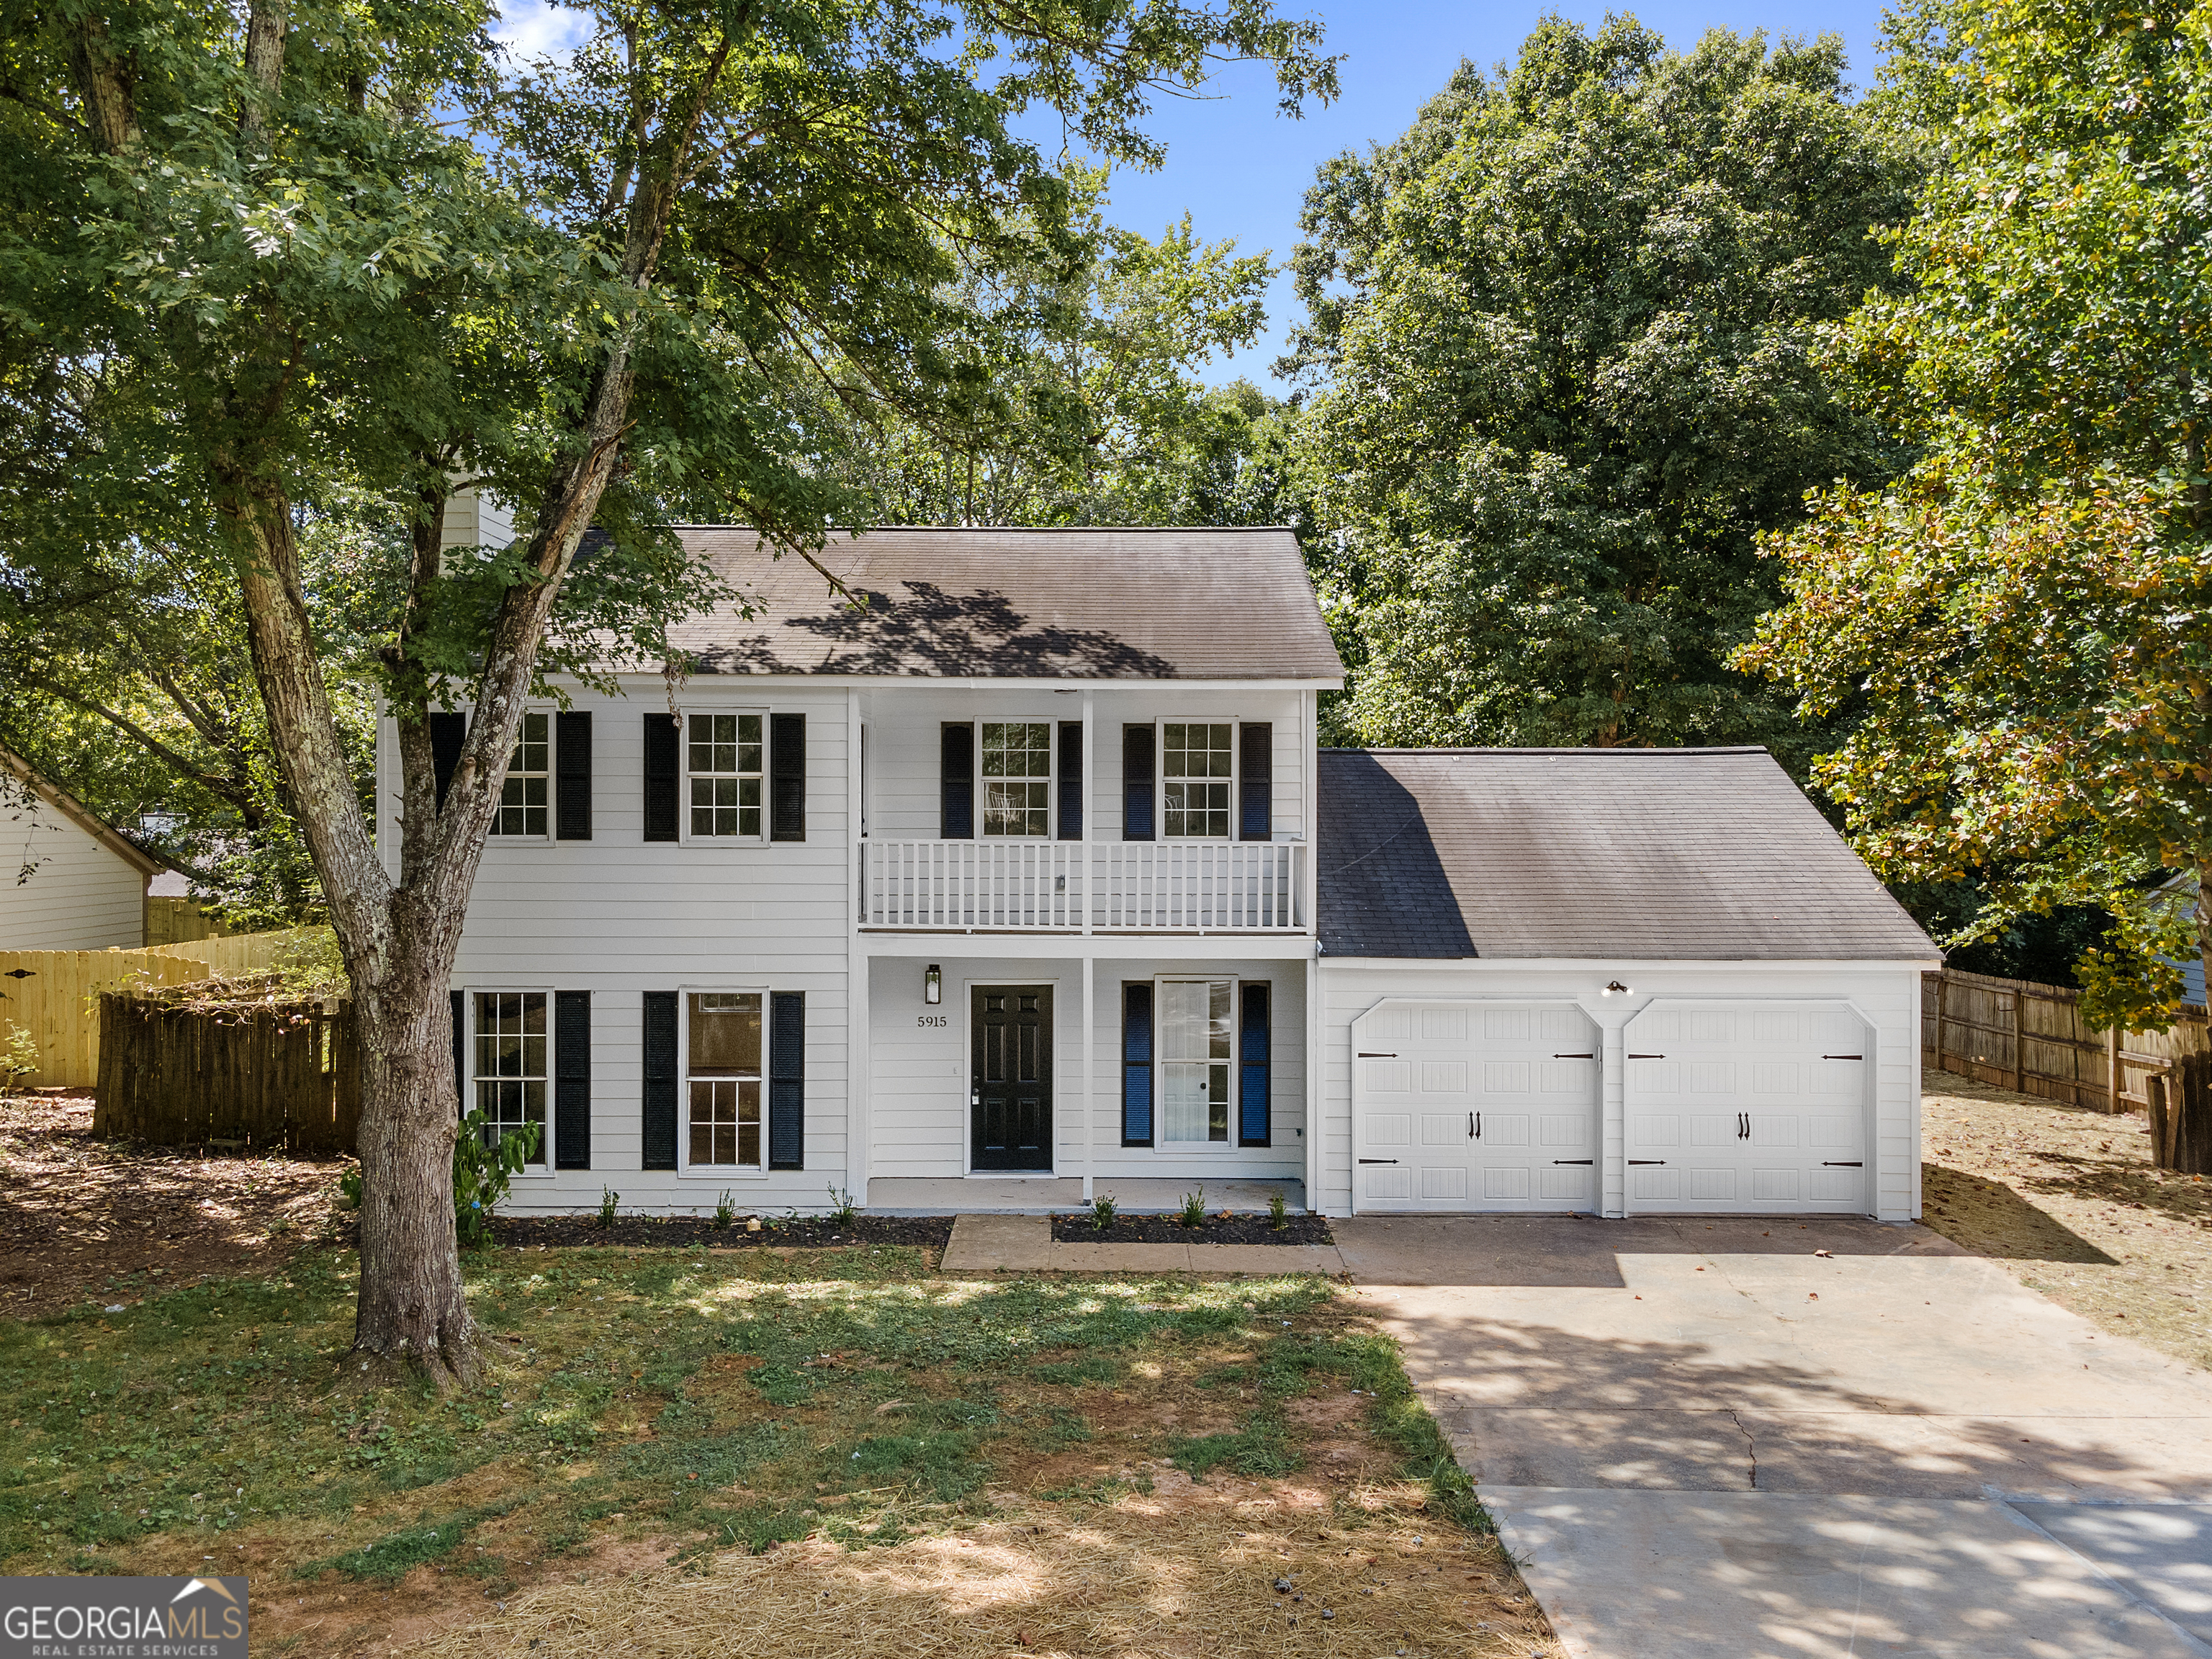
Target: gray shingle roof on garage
pixel 1078 602
pixel 1684 855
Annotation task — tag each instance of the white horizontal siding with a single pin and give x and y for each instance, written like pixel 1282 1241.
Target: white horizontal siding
pixel 73 895
pixel 1889 997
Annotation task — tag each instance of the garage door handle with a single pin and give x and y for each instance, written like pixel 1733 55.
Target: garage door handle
pixel 1850 1163
pixel 1474 1126
pixel 1369 1054
pixel 1571 1160
pixel 1743 1126
pixel 1647 1056
pixel 1378 1160
pixel 1574 1056
pixel 1843 1056
pixel 1634 1162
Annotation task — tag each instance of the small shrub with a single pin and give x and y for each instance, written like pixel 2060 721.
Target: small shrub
pixel 725 1212
pixel 843 1212
pixel 1193 1213
pixel 1278 1211
pixel 1101 1211
pixel 608 1198
pixel 19 1057
pixel 349 1189
pixel 483 1171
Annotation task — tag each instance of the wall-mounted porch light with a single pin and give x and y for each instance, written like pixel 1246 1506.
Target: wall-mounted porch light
pixel 933 984
pixel 1616 989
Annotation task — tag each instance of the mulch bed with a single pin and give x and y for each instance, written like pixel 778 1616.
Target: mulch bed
pixel 681 1232
pixel 1218 1229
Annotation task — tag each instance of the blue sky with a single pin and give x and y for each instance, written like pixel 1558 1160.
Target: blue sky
pixel 1241 170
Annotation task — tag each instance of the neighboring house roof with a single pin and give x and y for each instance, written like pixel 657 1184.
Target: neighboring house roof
pixel 1701 854
pixel 1063 603
pixel 81 816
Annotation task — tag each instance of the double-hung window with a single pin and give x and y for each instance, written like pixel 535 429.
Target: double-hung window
pixel 725 761
pixel 722 1073
pixel 1017 777
pixel 1197 770
pixel 508 1065
pixel 1195 1060
pixel 525 792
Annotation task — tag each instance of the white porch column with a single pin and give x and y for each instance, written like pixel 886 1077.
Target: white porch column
pixel 1314 1092
pixel 1090 1057
pixel 859 1119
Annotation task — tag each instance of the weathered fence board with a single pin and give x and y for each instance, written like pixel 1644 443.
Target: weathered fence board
pixel 55 995
pixel 286 1075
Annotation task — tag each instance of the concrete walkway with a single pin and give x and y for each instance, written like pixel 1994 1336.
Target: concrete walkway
pixel 1703 1438
pixel 1006 1194
pixel 1025 1244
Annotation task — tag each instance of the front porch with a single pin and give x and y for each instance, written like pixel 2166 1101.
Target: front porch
pixel 1048 1195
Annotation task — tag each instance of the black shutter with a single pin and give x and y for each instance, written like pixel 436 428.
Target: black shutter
pixel 461 1052
pixel 956 750
pixel 1137 1060
pixel 659 1146
pixel 1136 783
pixel 1071 780
pixel 1257 788
pixel 572 780
pixel 664 760
pixel 787 777
pixel 786 1080
pixel 447 733
pixel 572 1080
pixel 1252 1116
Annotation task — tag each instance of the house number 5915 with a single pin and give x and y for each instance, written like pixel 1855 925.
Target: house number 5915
pixel 929 1019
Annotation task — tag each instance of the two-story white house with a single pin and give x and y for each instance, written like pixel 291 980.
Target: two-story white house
pixel 1027 879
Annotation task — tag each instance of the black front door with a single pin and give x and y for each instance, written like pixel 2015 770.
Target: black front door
pixel 1010 1098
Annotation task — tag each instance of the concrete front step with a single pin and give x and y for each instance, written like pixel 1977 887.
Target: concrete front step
pixel 1025 1244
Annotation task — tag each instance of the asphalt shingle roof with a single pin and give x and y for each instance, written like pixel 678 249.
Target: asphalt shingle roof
pixel 1079 603
pixel 1699 854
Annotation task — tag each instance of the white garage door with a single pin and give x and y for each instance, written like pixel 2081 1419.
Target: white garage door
pixel 1474 1106
pixel 1756 1109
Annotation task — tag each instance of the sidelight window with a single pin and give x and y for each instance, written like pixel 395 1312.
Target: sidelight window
pixel 1196 1031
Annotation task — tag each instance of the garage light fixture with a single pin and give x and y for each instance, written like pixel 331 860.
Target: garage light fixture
pixel 1616 989
pixel 932 984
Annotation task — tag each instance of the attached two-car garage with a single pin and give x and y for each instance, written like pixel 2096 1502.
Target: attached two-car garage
pixel 1612 982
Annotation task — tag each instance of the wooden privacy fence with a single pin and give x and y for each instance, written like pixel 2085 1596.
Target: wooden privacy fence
pixel 2030 1038
pixel 266 1076
pixel 54 995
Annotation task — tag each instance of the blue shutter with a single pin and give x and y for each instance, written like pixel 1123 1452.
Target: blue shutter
pixel 1256 788
pixel 1137 783
pixel 1071 780
pixel 1137 1063
pixel 787 777
pixel 447 733
pixel 572 1080
pixel 572 779
pixel 786 1080
pixel 663 760
pixel 1252 1116
pixel 955 781
pixel 659 1046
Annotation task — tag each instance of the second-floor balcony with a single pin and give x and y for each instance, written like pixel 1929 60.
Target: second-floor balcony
pixel 1045 886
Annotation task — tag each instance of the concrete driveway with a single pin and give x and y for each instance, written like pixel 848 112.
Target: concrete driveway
pixel 1700 1438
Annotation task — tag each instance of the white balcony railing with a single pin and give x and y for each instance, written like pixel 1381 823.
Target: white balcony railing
pixel 1046 886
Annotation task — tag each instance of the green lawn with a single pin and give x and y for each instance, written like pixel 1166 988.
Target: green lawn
pixel 718 1400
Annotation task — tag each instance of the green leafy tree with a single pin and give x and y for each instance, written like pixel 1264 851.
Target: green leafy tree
pixel 252 255
pixel 1097 414
pixel 1561 329
pixel 2020 626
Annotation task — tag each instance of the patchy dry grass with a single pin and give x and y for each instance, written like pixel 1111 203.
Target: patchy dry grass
pixel 2068 1199
pixel 80 1217
pixel 660 1419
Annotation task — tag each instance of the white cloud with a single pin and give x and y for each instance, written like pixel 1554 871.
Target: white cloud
pixel 533 29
